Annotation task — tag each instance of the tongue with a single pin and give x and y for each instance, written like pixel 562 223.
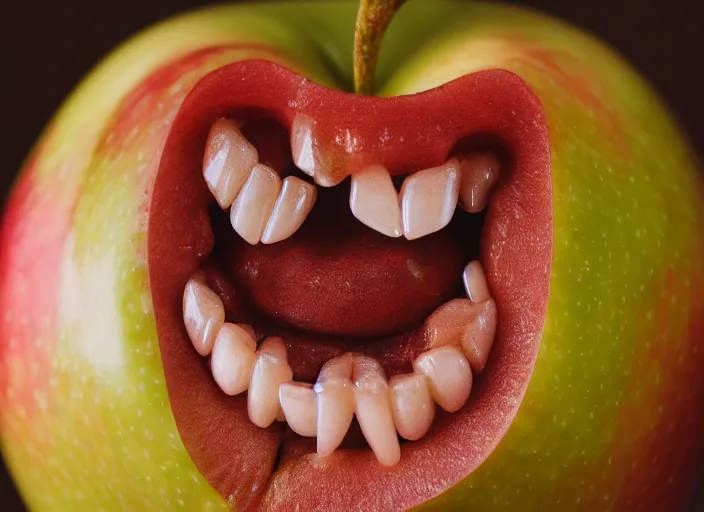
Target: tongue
pixel 337 277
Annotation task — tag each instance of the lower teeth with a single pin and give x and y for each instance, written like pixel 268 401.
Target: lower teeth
pixel 459 335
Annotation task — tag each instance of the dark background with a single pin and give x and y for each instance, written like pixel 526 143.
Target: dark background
pixel 46 47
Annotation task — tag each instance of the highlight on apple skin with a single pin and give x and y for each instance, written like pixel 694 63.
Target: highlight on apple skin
pixel 227 281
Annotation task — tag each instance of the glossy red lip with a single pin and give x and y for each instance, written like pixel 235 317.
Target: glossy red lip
pixel 252 466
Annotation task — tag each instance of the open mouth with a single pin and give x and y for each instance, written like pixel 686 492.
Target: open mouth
pixel 344 286
pixel 348 289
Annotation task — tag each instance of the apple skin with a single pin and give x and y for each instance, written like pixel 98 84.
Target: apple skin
pixel 612 417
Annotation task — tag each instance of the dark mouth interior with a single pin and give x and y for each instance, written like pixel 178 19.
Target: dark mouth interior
pixel 332 248
pixel 379 314
pixel 187 232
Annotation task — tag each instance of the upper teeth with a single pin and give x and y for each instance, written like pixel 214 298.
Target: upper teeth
pixel 479 174
pixel 266 210
pixel 429 198
pixel 292 207
pixel 263 209
pixel 373 200
pixel 302 145
pixel 228 160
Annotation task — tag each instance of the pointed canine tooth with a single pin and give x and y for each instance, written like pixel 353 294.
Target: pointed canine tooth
pixel 271 369
pixel 475 282
pixel 374 201
pixel 299 405
pixel 255 202
pixel 449 376
pixel 373 410
pixel 293 205
pixel 412 405
pixel 478 175
pixel 335 401
pixel 233 358
pixel 478 336
pixel 203 313
pixel 428 199
pixel 227 162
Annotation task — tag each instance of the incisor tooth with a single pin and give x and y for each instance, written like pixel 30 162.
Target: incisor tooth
pixel 478 174
pixel 299 405
pixel 229 157
pixel 449 376
pixel 475 282
pixel 293 205
pixel 429 198
pixel 412 405
pixel 271 369
pixel 303 145
pixel 255 202
pixel 374 201
pixel 203 313
pixel 373 410
pixel 335 401
pixel 233 358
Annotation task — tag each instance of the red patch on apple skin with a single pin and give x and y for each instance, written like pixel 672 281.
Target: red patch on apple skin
pixel 34 228
pixel 238 458
pixel 658 444
pixel 138 107
pixel 578 83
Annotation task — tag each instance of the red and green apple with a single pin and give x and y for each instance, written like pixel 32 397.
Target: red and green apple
pixel 592 243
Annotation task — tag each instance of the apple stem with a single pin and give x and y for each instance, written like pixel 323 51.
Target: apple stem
pixel 372 19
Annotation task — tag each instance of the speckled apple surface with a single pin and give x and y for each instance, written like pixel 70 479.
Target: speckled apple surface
pixel 612 417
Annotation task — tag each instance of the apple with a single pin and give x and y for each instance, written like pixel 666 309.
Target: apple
pixel 593 246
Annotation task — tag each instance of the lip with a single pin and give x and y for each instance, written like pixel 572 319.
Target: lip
pixel 246 464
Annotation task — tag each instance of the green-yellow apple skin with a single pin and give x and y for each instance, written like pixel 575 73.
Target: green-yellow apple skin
pixel 612 417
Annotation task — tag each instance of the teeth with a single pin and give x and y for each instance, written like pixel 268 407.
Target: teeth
pixel 412 405
pixel 228 160
pixel 428 199
pixel 233 358
pixel 335 401
pixel 471 323
pixel 374 201
pixel 255 202
pixel 271 369
pixel 293 205
pixel 299 405
pixel 404 405
pixel 203 313
pixel 373 410
pixel 302 144
pixel 478 336
pixel 475 282
pixel 479 174
pixel 447 323
pixel 449 376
